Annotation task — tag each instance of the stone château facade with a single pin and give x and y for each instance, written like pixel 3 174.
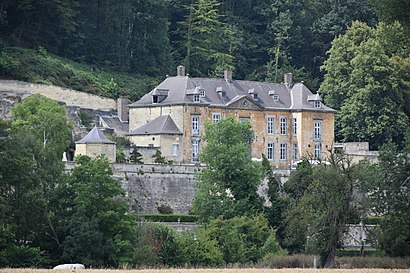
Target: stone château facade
pixel 288 121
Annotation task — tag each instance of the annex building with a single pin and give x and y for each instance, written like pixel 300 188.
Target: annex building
pixel 287 119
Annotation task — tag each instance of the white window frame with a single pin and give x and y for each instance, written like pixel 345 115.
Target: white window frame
pixel 195 120
pixel 318 104
pixel 270 125
pixel 202 93
pixel 283 125
pixel 196 98
pixel 175 149
pixel 216 117
pixel 283 151
pixel 317 150
pixel 195 149
pixel 275 97
pixel 317 129
pixel 270 151
pixel 295 126
pixel 295 151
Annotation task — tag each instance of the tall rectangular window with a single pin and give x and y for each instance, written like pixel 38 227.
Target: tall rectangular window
pixel 175 149
pixel 196 98
pixel 283 151
pixel 318 150
pixel 295 153
pixel 270 151
pixel 283 125
pixel 195 125
pixel 195 150
pixel 270 125
pixel 317 129
pixel 216 117
pixel 295 126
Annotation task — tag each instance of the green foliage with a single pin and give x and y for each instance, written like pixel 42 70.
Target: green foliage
pixel 120 155
pixel 98 231
pixel 31 66
pixel 229 183
pixel 85 119
pixel 198 250
pixel 364 83
pixel 390 195
pixel 135 156
pixel 165 209
pixel 321 204
pixel 158 158
pixel 243 239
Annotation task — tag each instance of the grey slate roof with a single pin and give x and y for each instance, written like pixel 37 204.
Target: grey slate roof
pixel 162 125
pixel 113 122
pixel 181 90
pixel 95 136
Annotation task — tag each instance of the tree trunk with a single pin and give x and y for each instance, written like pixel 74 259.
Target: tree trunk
pixel 330 259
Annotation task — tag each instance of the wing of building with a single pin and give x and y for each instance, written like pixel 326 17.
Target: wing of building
pixel 288 120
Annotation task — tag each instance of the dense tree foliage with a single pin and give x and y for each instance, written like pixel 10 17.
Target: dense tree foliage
pixel 260 39
pixel 322 202
pixel 366 82
pixel 228 185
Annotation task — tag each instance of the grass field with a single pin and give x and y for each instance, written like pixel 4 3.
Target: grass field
pixel 231 270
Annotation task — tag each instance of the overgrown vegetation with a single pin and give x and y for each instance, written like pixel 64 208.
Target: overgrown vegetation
pixel 39 66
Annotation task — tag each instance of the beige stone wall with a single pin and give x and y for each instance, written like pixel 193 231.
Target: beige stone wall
pixel 94 150
pixel 303 137
pixel 143 115
pixel 167 143
pixel 146 141
pixel 68 96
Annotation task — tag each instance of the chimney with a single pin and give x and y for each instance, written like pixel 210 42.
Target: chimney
pixel 122 110
pixel 228 75
pixel 288 80
pixel 181 70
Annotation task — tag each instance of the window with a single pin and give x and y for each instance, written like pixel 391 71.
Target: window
pixel 270 125
pixel 318 104
pixel 155 99
pixel 255 96
pixel 270 151
pixel 283 151
pixel 317 129
pixel 196 98
pixel 202 93
pixel 216 117
pixel 244 119
pixel 318 150
pixel 295 126
pixel 195 149
pixel 295 155
pixel 175 149
pixel 275 97
pixel 195 125
pixel 283 125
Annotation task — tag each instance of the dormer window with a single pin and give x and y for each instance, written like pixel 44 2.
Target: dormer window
pixel 159 95
pixel 221 92
pixel 202 93
pixel 275 97
pixel 154 99
pixel 197 98
pixel 253 93
pixel 318 104
pixel 255 96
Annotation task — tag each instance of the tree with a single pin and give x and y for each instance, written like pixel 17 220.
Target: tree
pixel 158 158
pixel 390 194
pixel 135 156
pixel 208 41
pixel 363 82
pixel 227 186
pixel 30 170
pixel 322 203
pixel 98 231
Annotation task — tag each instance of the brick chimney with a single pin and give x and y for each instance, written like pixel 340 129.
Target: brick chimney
pixel 122 109
pixel 228 75
pixel 181 70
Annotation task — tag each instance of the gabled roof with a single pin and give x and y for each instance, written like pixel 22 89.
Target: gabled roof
pixel 182 88
pixel 162 125
pixel 95 136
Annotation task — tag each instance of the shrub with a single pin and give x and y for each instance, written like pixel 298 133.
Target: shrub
pixel 373 262
pixel 168 217
pixel 288 261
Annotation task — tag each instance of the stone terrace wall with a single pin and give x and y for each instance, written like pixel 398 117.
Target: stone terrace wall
pixel 150 186
pixel 68 96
